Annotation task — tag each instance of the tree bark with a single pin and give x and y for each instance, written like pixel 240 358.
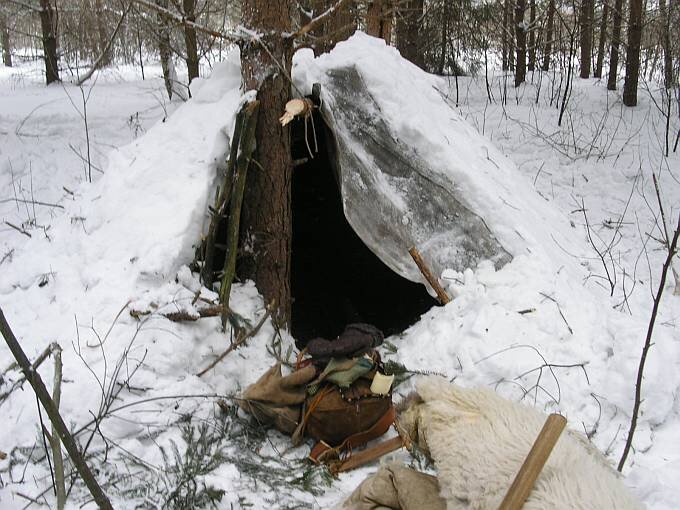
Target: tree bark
pixel 6 45
pixel 48 23
pixel 505 36
pixel 549 35
pixel 379 20
pixel 665 40
pixel 616 41
pixel 602 41
pixel 521 35
pixel 586 27
pixel 633 53
pixel 266 229
pixel 164 49
pixel 532 35
pixel 102 35
pixel 338 28
pixel 189 7
pixel 408 31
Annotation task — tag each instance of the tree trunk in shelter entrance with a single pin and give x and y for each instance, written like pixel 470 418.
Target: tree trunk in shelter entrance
pixel 266 218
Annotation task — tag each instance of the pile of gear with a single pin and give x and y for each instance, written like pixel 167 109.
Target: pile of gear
pixel 338 394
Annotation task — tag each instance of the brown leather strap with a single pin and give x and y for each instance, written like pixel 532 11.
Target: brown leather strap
pixel 323 450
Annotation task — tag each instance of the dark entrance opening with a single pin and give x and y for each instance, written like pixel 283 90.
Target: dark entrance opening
pixel 335 278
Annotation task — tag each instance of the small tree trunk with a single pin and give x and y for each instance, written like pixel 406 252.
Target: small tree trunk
pixel 266 227
pixel 549 35
pixel 532 35
pixel 586 27
pixel 614 50
pixel 6 46
pixel 521 35
pixel 633 53
pixel 408 31
pixel 602 41
pixel 189 7
pixel 665 41
pixel 48 22
pixel 164 49
pixel 504 35
pixel 103 36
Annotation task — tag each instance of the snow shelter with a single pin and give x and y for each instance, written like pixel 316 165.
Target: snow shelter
pixel 359 203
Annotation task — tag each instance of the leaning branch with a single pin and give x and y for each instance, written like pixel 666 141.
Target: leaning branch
pixel 97 64
pixel 648 343
pixel 43 395
pixel 321 18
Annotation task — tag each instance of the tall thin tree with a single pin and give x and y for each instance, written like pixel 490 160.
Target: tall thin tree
pixel 602 40
pixel 586 28
pixel 616 41
pixel 48 23
pixel 630 84
pixel 521 36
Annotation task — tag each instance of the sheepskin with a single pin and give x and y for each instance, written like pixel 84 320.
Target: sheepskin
pixel 479 440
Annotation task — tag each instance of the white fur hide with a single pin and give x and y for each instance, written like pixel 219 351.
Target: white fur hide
pixel 479 440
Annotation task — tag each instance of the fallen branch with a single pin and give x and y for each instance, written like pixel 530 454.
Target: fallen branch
pixel 43 395
pixel 672 249
pixel 240 340
pixel 370 454
pixel 18 229
pixel 321 18
pixel 184 316
pixel 425 270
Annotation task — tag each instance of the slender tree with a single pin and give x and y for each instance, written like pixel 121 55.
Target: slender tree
pixel 549 35
pixel 505 35
pixel 602 40
pixel 521 36
pixel 164 49
pixel 408 31
pixel 616 41
pixel 379 20
pixel 189 7
pixel 532 35
pixel 5 41
pixel 48 23
pixel 586 28
pixel 630 84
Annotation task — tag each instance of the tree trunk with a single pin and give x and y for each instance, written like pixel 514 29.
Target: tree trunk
pixel 521 35
pixel 189 7
pixel 665 40
pixel 616 40
pixel 532 35
pixel 48 22
pixel 549 35
pixel 602 41
pixel 633 53
pixel 102 35
pixel 338 28
pixel 504 35
pixel 164 49
pixel 379 20
pixel 6 46
pixel 408 31
pixel 266 228
pixel 586 27
pixel 444 38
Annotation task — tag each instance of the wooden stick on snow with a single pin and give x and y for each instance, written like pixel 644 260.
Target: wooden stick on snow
pixel 538 455
pixel 425 270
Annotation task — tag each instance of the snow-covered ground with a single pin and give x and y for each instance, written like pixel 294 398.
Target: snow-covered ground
pixel 121 243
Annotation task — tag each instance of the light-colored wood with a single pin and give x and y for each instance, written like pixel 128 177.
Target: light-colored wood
pixel 425 270
pixel 371 454
pixel 531 468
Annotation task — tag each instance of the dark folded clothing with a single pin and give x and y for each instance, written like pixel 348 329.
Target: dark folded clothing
pixel 354 341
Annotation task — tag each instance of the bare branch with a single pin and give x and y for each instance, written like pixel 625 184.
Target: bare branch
pixel 321 18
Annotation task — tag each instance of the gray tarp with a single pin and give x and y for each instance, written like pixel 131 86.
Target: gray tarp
pixel 391 197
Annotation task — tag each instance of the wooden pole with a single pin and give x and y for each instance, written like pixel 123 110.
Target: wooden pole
pixel 526 477
pixel 33 377
pixel 371 454
pixel 425 270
